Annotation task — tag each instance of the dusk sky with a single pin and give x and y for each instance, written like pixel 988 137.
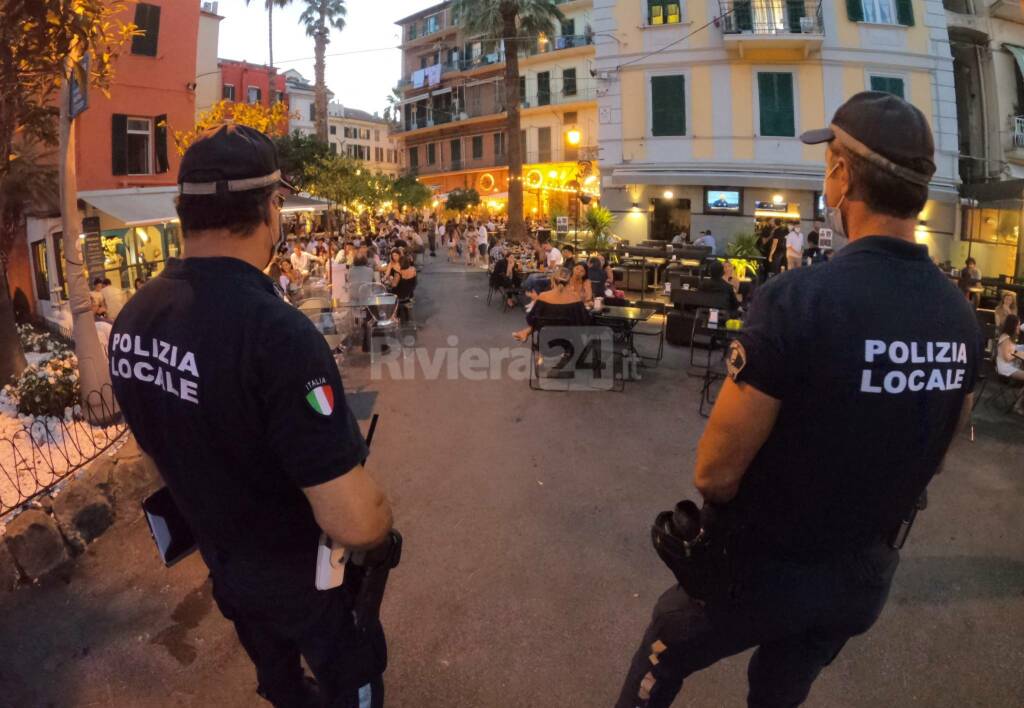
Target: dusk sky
pixel 361 80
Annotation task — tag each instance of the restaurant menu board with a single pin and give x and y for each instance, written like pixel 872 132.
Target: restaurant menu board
pixel 92 247
pixel 825 238
pixel 562 224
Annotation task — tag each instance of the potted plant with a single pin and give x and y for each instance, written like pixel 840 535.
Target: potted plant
pixel 742 252
pixel 599 223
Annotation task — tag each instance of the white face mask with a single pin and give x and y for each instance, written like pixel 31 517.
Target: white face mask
pixel 833 216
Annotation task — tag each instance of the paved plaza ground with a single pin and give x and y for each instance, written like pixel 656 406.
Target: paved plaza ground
pixel 528 573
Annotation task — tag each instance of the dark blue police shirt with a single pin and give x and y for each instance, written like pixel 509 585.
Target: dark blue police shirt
pixel 871 356
pixel 237 398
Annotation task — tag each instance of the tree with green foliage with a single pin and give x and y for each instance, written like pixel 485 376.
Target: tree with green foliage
pixel 42 43
pixel 319 18
pixel 296 152
pixel 461 199
pixel 410 192
pixel 517 23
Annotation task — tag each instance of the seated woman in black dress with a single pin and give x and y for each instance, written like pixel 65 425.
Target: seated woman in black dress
pixel 506 275
pixel 403 284
pixel 561 303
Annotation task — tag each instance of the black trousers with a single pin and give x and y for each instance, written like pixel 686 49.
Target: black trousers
pixel 432 240
pixel 798 616
pixel 278 627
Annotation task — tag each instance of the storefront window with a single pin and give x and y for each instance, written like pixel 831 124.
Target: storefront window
pixel 58 256
pixel 40 270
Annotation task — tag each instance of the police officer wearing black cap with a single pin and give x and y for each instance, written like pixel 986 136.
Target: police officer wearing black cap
pixel 845 391
pixel 237 398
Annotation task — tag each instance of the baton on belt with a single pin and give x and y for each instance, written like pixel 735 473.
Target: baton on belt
pixel 899 536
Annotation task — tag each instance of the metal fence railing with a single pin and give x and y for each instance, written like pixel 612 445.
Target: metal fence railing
pixel 770 17
pixel 39 455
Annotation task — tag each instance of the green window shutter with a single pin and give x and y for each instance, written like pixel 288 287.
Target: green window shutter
pixel 119 144
pixel 147 20
pixel 668 105
pixel 855 10
pixel 743 16
pixel 569 82
pixel 905 12
pixel 775 98
pixel 160 130
pixel 795 9
pixel 888 84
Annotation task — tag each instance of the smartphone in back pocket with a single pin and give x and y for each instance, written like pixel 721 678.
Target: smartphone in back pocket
pixel 171 533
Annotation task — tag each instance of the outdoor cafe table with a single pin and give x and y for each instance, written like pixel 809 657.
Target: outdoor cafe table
pixel 627 318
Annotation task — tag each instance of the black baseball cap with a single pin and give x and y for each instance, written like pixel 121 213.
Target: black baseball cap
pixel 230 158
pixel 886 131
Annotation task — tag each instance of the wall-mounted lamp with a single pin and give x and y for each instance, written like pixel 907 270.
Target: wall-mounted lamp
pixel 668 194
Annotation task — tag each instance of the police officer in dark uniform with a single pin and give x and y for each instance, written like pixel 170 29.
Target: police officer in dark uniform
pixel 845 391
pixel 237 398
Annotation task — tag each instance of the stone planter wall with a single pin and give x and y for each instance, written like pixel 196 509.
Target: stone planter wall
pixel 45 538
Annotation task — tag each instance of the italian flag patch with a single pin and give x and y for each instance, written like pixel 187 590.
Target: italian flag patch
pixel 321 400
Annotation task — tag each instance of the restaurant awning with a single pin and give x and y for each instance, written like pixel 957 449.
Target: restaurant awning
pixel 775 177
pixel 1018 54
pixel 299 202
pixel 137 206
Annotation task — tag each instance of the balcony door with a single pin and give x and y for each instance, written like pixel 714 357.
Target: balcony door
pixel 769 16
pixel 543 88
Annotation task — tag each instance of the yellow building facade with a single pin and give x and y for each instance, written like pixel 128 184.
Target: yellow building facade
pixel 701 103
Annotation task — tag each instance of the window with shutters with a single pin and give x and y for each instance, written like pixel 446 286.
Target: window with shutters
pixel 887 84
pixel 522 91
pixel 544 144
pixel 312 112
pixel 456 153
pixel 775 103
pixel 431 153
pixel 253 94
pixel 882 12
pixel 543 88
pixel 569 82
pixel 499 144
pixel 668 105
pixel 40 269
pixel 147 20
pixel 139 145
pixel 414 157
pixel 664 12
pixel 228 93
pixel 478 147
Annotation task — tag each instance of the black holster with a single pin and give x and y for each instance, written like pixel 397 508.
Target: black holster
pixel 366 577
pixel 704 567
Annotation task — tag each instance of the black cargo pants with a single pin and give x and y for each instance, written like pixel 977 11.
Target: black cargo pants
pixel 798 615
pixel 277 627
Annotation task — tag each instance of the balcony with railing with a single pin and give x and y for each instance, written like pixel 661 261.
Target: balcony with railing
pixel 752 26
pixel 482 101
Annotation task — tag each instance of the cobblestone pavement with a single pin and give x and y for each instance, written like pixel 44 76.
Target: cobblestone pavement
pixel 528 573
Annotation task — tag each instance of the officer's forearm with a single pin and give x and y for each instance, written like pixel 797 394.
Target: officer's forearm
pixel 741 421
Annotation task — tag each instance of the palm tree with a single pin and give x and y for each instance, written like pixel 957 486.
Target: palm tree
pixel 25 181
pixel 320 17
pixel 393 111
pixel 270 21
pixel 515 22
